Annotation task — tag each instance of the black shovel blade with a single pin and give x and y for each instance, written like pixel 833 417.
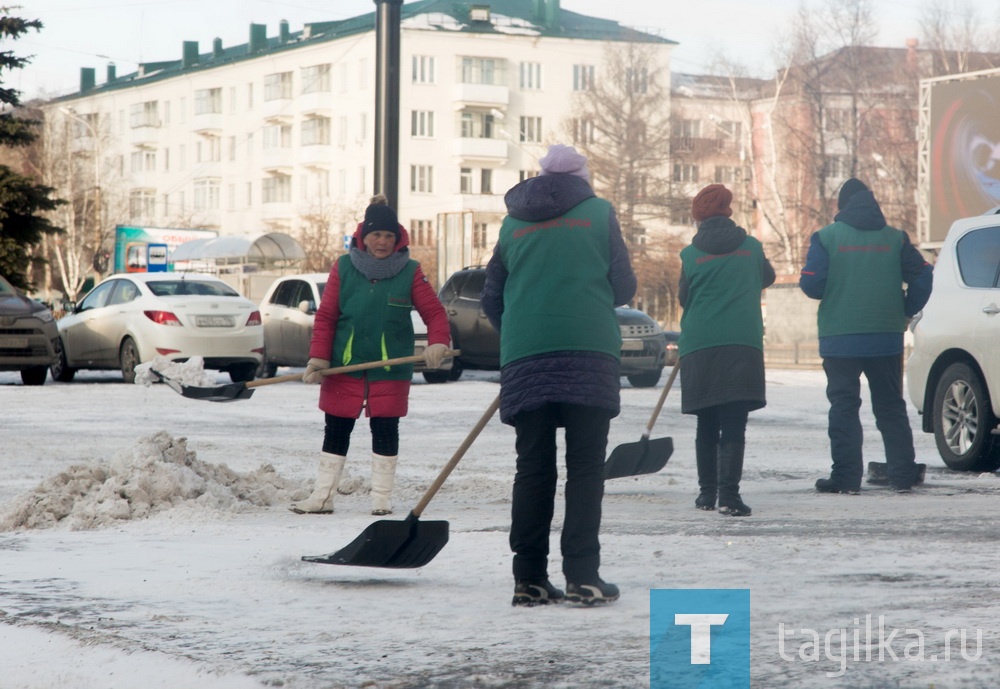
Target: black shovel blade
pixel 644 457
pixel 398 545
pixel 229 392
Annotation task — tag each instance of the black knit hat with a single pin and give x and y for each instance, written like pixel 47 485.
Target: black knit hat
pixel 379 216
pixel 851 187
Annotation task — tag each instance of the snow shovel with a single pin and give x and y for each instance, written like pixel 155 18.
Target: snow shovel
pixel 411 542
pixel 646 456
pixel 241 391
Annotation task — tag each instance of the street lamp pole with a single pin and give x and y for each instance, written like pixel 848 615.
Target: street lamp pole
pixel 98 200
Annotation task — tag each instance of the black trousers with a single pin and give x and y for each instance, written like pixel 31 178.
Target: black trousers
pixel 385 435
pixel 843 389
pixel 535 489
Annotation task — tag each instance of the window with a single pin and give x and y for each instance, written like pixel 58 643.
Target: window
pixel 531 76
pixel 465 180
pixel 316 79
pixel 729 130
pixel 142 204
pixel 978 256
pixel 583 77
pixel 480 70
pixel 526 174
pixel 209 149
pixel 583 131
pixel 485 181
pixel 207 101
pixel 421 232
pixel 837 166
pixel 363 127
pixel 316 131
pixel 166 160
pixel 837 120
pixel 685 173
pixel 476 125
pixel 685 132
pixel 423 69
pixel 206 194
pixel 144 161
pixel 182 111
pixel 231 197
pixel 232 148
pixel 637 80
pixel 277 136
pixel 726 174
pixel 277 86
pixel 144 115
pixel 276 188
pixel 343 77
pixel 680 214
pixel 250 96
pixel 479 235
pixel 363 73
pixel 422 124
pixel 422 179
pixel 342 131
pixel 531 129
pixel 86 125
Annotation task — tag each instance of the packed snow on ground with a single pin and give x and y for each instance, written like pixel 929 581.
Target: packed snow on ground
pixel 145 542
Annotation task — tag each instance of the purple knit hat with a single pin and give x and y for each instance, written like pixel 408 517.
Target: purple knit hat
pixel 564 160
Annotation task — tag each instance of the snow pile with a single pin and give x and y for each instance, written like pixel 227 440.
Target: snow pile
pixel 191 372
pixel 157 474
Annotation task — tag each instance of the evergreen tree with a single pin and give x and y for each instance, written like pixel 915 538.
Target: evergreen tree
pixel 22 201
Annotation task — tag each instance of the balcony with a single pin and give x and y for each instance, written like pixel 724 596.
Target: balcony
pixel 481 95
pixel 317 155
pixel 491 150
pixel 146 135
pixel 315 103
pixel 277 108
pixel 482 203
pixel 277 158
pixel 281 210
pixel 208 122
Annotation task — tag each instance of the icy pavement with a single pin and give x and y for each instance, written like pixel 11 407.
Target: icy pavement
pixel 208 589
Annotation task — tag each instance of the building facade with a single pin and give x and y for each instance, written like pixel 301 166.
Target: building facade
pixel 278 134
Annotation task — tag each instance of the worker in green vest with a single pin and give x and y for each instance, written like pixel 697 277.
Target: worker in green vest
pixel 721 346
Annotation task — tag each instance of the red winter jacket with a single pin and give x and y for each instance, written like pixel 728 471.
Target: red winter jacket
pixel 344 395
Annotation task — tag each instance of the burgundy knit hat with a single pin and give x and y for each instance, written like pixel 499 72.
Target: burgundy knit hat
pixel 711 201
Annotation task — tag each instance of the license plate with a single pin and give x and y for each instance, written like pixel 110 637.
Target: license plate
pixel 632 345
pixel 13 343
pixel 214 321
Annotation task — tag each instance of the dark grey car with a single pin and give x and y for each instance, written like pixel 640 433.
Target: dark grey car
pixel 29 338
pixel 644 344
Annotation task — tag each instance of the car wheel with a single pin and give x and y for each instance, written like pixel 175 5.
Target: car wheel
pixel 243 373
pixel 646 380
pixel 963 419
pixel 436 377
pixel 35 375
pixel 456 369
pixel 266 369
pixel 60 371
pixel 128 358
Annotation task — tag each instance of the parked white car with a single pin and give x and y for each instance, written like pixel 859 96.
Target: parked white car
pixel 288 311
pixel 953 374
pixel 131 318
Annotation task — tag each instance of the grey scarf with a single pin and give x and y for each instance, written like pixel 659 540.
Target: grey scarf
pixel 379 268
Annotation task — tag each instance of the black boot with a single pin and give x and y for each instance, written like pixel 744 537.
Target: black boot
pixel 707 458
pixel 730 473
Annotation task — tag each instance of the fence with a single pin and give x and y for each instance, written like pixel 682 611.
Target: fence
pixel 800 355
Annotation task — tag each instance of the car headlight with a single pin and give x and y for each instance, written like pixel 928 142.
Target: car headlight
pixel 44 316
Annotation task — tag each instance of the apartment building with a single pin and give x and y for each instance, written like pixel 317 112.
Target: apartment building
pixel 278 134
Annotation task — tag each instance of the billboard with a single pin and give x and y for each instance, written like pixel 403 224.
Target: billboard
pixel 964 138
pixel 135 246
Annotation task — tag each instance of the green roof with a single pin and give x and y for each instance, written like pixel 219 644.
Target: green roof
pixel 507 17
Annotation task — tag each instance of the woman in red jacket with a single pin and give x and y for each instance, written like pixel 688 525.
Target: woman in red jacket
pixel 364 316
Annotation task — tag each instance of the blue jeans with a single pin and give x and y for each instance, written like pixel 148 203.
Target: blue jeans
pixel 843 389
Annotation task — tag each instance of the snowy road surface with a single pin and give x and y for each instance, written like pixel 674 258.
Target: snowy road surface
pixel 189 574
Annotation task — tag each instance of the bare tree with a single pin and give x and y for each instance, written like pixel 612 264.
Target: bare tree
pixel 622 124
pixel 954 31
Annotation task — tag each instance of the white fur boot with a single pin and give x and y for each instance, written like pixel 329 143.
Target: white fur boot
pixel 321 500
pixel 383 477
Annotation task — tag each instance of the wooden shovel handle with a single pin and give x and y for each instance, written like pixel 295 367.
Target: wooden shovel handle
pixel 459 453
pixel 348 369
pixel 663 397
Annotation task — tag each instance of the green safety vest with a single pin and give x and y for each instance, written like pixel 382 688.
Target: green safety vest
pixel 375 322
pixel 557 297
